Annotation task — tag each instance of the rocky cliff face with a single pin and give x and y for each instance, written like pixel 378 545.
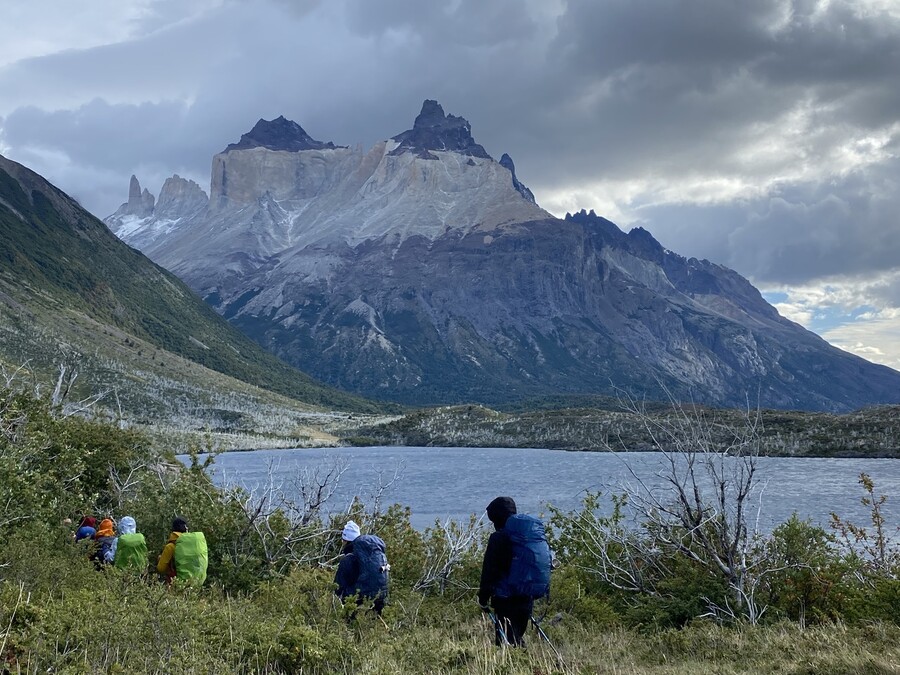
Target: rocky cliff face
pixel 423 271
pixel 507 163
pixel 180 198
pixel 142 222
pixel 140 203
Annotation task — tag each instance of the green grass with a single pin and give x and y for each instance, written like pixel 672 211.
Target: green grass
pixel 107 622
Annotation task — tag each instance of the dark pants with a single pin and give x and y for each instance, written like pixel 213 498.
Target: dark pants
pixel 513 615
pixel 379 602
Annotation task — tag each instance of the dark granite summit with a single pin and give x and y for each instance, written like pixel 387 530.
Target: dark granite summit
pixel 433 130
pixel 279 134
pixel 507 163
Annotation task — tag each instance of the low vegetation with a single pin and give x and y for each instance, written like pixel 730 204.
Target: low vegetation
pixel 663 595
pixel 871 432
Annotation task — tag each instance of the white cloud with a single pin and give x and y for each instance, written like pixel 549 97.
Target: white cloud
pixel 39 27
pixel 875 338
pixel 861 316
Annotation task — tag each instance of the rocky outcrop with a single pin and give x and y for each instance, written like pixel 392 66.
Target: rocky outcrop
pixel 507 163
pixel 143 223
pixel 140 202
pixel 180 198
pixel 433 130
pixel 279 134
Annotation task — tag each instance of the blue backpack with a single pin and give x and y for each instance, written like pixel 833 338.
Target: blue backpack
pixel 529 572
pixel 373 566
pixel 102 554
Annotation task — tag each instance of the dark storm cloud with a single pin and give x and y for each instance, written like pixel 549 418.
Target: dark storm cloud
pixel 661 86
pixel 112 136
pixel 848 226
pixel 473 23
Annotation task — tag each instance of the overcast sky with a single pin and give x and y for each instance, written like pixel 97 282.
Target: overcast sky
pixel 763 135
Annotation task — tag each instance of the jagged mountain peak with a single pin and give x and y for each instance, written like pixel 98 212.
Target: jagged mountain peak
pixel 507 163
pixel 134 189
pixel 435 130
pixel 279 134
pixel 591 219
pixel 180 197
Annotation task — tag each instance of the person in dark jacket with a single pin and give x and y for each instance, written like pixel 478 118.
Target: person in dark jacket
pixel 347 578
pixel 513 613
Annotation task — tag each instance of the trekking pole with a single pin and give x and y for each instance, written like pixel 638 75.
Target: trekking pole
pixel 499 627
pixel 541 632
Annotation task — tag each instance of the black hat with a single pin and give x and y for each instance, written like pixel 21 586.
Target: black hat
pixel 499 510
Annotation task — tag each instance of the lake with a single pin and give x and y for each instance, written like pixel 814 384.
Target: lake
pixel 440 483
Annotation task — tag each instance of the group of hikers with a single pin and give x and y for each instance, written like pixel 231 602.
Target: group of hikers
pixel 515 571
pixel 184 557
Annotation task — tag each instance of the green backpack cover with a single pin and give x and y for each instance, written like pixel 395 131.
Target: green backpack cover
pixel 131 552
pixel 191 558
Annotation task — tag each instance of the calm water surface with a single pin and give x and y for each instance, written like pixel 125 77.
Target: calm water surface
pixel 440 483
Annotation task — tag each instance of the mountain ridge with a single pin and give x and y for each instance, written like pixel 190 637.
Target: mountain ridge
pixel 430 275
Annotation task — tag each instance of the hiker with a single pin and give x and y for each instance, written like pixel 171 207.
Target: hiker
pixel 130 548
pixel 516 570
pixel 105 541
pixel 165 566
pixel 185 556
pixel 86 529
pixel 363 570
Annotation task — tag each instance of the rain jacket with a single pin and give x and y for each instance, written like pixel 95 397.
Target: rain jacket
pixel 166 563
pixel 106 541
pixel 498 554
pixel 347 572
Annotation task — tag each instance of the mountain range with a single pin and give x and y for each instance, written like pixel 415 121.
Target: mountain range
pixel 423 271
pixel 73 296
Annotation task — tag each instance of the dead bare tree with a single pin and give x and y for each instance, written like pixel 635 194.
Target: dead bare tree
pixel 10 378
pixel 316 487
pixel 380 488
pixel 64 383
pixel 700 507
pixel 126 485
pixel 285 526
pixel 452 544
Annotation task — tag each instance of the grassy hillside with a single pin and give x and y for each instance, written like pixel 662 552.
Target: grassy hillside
pixel 64 275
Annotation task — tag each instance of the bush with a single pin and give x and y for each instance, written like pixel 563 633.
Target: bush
pixel 269 603
pixel 807 582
